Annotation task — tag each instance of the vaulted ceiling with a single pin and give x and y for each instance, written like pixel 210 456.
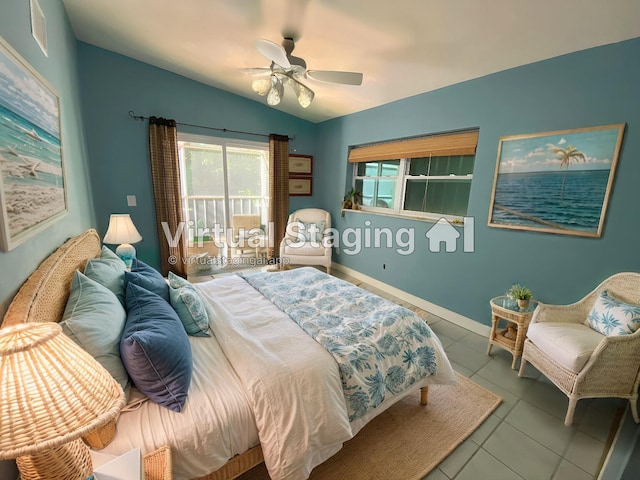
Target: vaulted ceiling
pixel 402 47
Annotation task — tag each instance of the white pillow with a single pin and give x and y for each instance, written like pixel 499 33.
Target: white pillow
pixel 611 316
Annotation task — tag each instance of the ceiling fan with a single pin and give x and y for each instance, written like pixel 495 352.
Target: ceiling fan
pixel 288 69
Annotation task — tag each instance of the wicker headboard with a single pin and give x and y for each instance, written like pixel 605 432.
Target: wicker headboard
pixel 43 297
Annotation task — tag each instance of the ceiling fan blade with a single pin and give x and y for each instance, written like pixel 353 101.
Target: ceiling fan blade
pixel 345 78
pixel 256 71
pixel 273 52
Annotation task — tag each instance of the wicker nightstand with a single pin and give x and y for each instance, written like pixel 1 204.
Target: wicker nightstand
pixel 158 465
pixel 511 335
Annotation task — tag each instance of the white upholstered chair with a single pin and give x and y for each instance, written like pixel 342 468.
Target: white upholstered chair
pixel 581 361
pixel 311 251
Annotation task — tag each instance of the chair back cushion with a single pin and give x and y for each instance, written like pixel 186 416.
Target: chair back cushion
pixel 611 316
pixel 312 215
pixel 569 344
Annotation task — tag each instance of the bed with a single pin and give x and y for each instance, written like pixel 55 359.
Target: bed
pixel 262 389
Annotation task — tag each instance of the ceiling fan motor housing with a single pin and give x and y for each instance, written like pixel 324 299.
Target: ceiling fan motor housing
pixel 298 64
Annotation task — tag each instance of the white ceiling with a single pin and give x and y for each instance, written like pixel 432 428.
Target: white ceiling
pixel 403 47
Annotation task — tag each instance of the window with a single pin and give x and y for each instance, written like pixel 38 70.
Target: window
pixel 377 181
pixel 417 177
pixel 222 179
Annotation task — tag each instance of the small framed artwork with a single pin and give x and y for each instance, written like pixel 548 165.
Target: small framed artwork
pixel 300 186
pixel 556 182
pixel 32 183
pixel 300 165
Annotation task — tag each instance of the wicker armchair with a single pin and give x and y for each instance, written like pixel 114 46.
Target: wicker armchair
pixel 307 253
pixel 612 364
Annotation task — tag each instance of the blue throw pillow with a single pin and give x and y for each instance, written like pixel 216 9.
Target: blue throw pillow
pixel 611 316
pixel 155 349
pixel 147 277
pixel 94 319
pixel 108 270
pixel 189 306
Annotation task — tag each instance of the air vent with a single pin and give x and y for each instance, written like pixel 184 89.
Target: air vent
pixel 39 26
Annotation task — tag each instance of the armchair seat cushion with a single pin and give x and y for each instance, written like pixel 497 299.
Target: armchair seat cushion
pixel 306 248
pixel 569 344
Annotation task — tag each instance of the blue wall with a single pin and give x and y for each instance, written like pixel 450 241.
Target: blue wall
pixel 60 70
pixel 593 87
pixel 119 147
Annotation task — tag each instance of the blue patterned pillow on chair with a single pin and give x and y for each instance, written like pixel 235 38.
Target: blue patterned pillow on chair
pixel 611 316
pixel 311 231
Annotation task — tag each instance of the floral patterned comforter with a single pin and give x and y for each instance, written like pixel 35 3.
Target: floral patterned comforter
pixel 381 348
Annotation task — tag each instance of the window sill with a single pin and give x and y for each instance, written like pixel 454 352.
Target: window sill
pixel 453 219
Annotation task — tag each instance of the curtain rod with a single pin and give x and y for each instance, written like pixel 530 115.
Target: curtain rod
pixel 224 130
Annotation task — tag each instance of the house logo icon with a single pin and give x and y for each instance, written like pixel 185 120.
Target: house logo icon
pixel 443 232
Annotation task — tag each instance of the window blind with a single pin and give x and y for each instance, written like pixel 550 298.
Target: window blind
pixel 435 146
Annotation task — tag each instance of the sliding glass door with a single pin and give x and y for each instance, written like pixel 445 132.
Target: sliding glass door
pixel 225 184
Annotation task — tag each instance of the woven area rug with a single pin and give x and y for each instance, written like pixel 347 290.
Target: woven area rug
pixel 408 440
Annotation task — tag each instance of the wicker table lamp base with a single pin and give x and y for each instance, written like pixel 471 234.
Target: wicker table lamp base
pixel 70 461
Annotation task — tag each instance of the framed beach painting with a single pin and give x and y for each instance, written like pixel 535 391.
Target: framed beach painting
pixel 32 185
pixel 556 182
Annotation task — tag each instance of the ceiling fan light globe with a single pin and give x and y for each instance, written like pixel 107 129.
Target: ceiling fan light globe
pixel 261 86
pixel 274 97
pixel 305 97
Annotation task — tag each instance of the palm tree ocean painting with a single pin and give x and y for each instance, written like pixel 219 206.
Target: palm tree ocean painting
pixel 32 189
pixel 556 182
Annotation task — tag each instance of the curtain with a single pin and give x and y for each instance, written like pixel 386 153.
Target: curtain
pixel 165 172
pixel 278 189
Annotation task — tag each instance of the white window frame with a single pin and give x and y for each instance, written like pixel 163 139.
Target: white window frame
pixel 401 187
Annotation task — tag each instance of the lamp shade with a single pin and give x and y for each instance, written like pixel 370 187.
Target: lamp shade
pixel 121 230
pixel 51 390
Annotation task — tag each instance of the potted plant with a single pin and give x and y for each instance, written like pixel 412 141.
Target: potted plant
pixel 352 199
pixel 520 293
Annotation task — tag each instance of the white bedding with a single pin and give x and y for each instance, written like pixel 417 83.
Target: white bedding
pixel 299 419
pixel 293 384
pixel 216 423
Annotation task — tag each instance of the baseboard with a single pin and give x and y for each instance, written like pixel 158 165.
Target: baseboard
pixel 621 449
pixel 437 310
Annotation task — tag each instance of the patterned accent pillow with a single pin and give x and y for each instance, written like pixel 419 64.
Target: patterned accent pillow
pixel 311 231
pixel 190 308
pixel 611 316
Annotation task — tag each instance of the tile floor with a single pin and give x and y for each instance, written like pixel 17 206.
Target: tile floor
pixel 525 438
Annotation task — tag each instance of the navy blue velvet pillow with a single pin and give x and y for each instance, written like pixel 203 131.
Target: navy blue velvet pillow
pixel 148 278
pixel 155 349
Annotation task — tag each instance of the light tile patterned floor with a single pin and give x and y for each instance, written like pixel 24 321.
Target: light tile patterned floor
pixel 525 438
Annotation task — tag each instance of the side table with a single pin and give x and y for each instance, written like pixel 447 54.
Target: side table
pixel 509 324
pixel 158 465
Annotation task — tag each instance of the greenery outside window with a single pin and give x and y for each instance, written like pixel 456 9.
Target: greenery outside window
pixel 222 178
